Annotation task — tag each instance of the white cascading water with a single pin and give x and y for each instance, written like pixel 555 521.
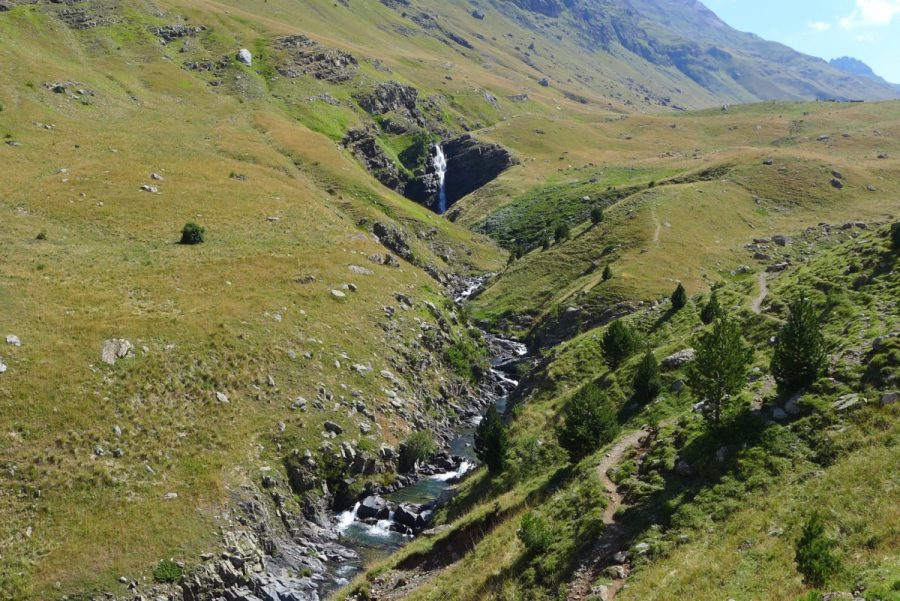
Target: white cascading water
pixel 440 167
pixel 346 519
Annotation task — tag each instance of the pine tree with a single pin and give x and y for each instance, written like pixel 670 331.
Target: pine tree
pixel 596 215
pixel 895 237
pixel 646 379
pixel 799 356
pixel 619 342
pixel 607 273
pixel 711 310
pixel 562 232
pixel 813 553
pixel 589 421
pixel 491 441
pixel 679 298
pixel 719 370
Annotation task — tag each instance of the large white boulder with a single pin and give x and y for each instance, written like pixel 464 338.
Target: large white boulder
pixel 244 56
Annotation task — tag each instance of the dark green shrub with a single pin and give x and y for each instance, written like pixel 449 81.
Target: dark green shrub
pixel 491 441
pixel 192 233
pixel 799 355
pixel 814 557
pixel 597 215
pixel 167 571
pixel 711 310
pixel 535 533
pixel 619 342
pixel 607 273
pixel 895 236
pixel 719 370
pixel 646 379
pixel 418 446
pixel 679 298
pixel 561 232
pixel 589 421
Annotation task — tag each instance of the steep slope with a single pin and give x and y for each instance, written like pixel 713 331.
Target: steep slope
pixel 707 513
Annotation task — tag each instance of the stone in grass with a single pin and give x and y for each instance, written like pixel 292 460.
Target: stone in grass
pixel 3 367
pixel 13 340
pixel 338 294
pixel 848 402
pixel 222 397
pixel 889 398
pixel 680 358
pixel 333 427
pixel 244 56
pixel 116 349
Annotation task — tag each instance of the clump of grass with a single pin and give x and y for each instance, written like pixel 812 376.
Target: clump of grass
pixel 167 571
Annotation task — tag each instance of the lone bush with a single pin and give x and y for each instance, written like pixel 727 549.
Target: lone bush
pixel 607 273
pixel 814 557
pixel 535 533
pixel 679 298
pixel 589 421
pixel 561 233
pixel 619 342
pixel 895 236
pixel 192 233
pixel 167 571
pixel 646 379
pixel 596 215
pixel 418 446
pixel 799 355
pixel 491 441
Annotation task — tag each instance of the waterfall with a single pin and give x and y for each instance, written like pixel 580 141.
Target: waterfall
pixel 345 519
pixel 440 167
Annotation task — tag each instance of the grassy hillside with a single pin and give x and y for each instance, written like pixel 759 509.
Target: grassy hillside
pixel 705 513
pixel 88 257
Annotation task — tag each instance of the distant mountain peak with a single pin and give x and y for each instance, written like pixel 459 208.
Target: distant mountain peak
pixel 854 66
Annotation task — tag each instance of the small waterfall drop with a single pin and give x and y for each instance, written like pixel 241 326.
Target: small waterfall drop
pixel 440 167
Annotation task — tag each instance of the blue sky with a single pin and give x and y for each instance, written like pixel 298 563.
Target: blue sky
pixel 865 29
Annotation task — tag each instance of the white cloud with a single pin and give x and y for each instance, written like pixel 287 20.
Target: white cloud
pixel 820 26
pixel 871 12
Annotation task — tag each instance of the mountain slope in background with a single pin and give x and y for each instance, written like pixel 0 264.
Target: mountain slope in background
pixel 680 45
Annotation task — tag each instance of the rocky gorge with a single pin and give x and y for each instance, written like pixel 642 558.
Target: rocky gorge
pixel 303 536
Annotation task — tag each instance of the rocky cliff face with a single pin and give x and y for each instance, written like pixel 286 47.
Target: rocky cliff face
pixel 472 164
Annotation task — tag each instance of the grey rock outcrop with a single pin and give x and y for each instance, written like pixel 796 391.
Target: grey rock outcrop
pixel 679 359
pixel 116 349
pixel 307 57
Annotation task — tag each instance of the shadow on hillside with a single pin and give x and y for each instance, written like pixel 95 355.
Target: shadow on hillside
pixel 633 522
pixel 663 319
pixel 455 544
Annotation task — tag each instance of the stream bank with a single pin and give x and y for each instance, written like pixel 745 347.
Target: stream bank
pixel 379 525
